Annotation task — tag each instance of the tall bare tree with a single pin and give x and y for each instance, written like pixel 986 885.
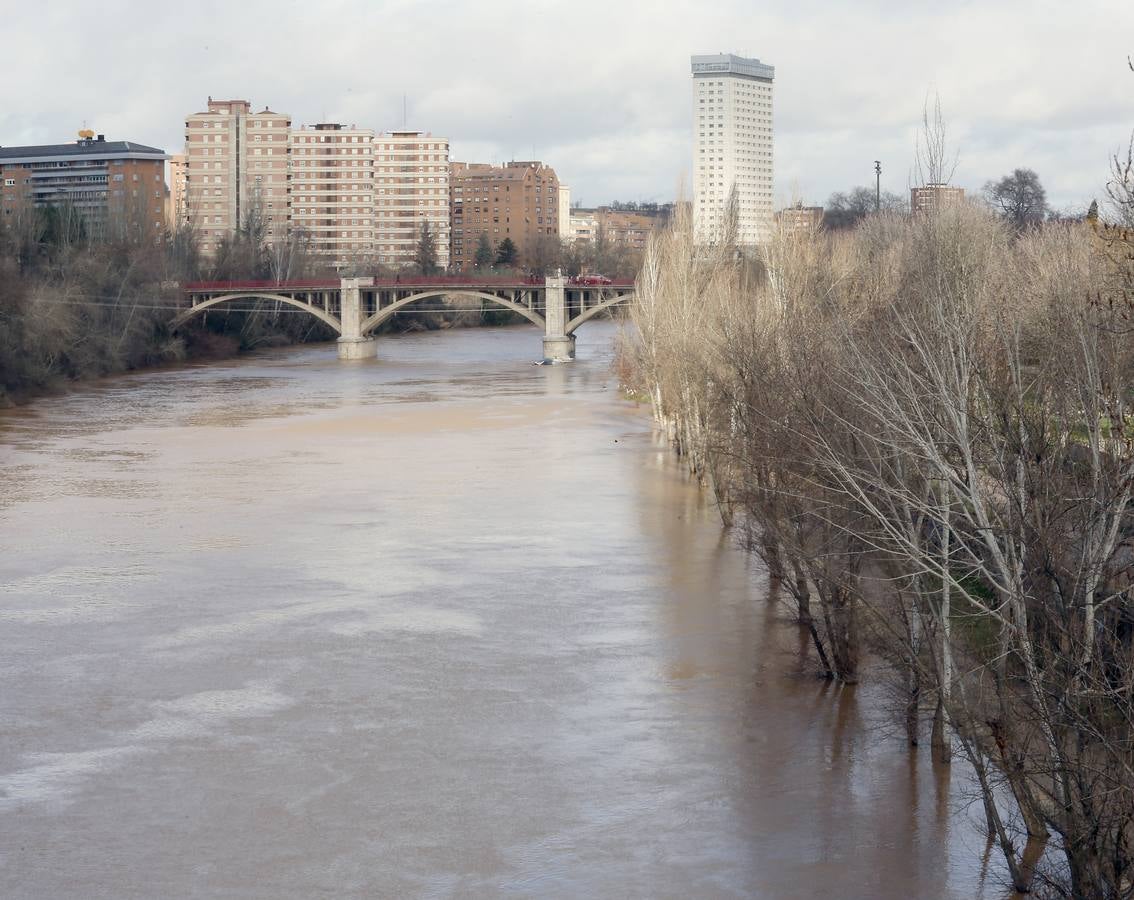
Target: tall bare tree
pixel 922 426
pixel 934 161
pixel 1019 197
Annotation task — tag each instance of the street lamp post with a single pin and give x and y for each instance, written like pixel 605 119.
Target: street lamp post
pixel 877 186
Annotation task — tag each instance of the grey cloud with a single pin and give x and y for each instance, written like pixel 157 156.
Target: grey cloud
pixel 601 89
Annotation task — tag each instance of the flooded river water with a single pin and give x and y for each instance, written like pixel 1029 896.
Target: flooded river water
pixel 440 624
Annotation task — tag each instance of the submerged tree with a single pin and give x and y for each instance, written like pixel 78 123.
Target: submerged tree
pixel 923 426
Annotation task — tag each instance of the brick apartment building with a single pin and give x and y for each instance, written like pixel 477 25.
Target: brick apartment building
pixel 236 170
pixel 932 197
pixel 800 219
pixel 175 214
pixel 349 193
pixel 118 187
pixel 626 228
pixel 411 175
pixel 356 195
pixel 332 190
pixel 519 200
pixel 617 226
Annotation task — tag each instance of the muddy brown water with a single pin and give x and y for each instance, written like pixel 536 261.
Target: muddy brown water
pixel 441 624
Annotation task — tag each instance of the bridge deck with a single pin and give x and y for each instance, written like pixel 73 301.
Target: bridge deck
pixel 455 283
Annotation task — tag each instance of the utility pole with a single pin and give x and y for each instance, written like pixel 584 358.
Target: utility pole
pixel 877 186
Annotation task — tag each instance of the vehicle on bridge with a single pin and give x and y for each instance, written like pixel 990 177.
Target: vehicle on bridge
pixel 590 280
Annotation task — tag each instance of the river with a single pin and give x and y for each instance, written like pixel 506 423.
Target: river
pixel 440 624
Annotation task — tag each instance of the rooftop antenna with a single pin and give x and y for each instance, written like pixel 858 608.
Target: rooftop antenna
pixel 405 117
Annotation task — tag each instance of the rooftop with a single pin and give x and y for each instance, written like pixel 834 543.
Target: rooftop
pixel 731 64
pixel 512 171
pixel 97 147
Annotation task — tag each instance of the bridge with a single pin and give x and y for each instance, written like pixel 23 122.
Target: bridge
pixel 355 307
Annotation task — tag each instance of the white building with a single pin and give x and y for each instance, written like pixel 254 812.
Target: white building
pixel 583 225
pixel 732 145
pixel 564 213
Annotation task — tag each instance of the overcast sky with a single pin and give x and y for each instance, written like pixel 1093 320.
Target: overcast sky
pixel 600 89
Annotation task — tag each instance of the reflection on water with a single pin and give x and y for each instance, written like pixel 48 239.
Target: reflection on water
pixel 441 623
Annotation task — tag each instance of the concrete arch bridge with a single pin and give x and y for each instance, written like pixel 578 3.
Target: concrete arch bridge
pixel 355 307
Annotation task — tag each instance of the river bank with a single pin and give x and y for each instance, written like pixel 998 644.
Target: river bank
pixel 196 343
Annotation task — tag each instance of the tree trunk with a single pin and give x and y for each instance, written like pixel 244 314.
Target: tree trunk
pixel 996 829
pixel 1013 769
pixel 842 630
pixel 913 703
pixel 824 659
pixel 802 594
pixel 939 741
pixel 772 558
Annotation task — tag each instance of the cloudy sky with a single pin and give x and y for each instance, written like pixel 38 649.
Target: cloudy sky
pixel 600 88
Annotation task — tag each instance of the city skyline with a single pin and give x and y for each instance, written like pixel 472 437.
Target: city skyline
pixel 613 119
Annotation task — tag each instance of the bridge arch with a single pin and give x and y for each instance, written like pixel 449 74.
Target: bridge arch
pixel 182 317
pixel 373 321
pixel 596 309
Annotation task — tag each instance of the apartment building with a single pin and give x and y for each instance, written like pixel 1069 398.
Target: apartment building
pixel 564 217
pixel 332 190
pixel 236 171
pixel 519 201
pixel 732 145
pixel 175 214
pixel 118 187
pixel 584 225
pixel 626 228
pixel 411 187
pixel 623 227
pixel 929 198
pixel 800 219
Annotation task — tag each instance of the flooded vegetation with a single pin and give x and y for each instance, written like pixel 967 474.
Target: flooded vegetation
pixel 923 428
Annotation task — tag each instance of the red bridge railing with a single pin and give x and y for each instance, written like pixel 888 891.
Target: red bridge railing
pixel 410 281
pixel 310 284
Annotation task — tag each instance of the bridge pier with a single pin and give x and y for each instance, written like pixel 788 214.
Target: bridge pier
pixel 557 344
pixel 359 348
pixel 559 349
pixel 352 344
